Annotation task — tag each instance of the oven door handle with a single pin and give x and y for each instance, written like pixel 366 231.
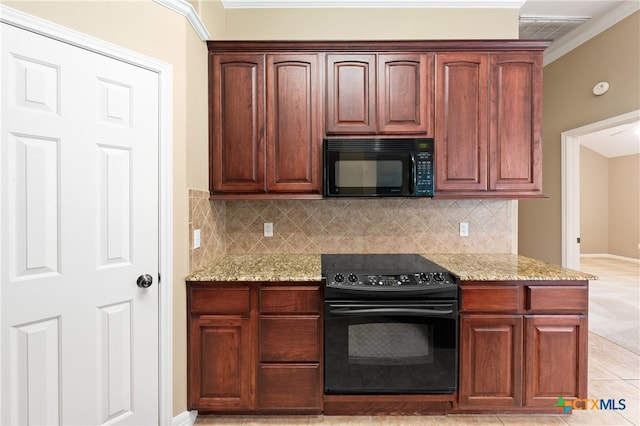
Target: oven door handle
pixel 390 311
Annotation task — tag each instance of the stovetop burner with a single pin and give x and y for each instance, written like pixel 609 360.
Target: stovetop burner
pixel 402 274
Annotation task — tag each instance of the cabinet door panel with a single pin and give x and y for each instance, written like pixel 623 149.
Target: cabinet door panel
pixel 351 97
pixel 556 358
pixel 516 141
pixel 220 300
pixel 490 361
pixel 462 117
pixel 290 339
pixel 490 299
pixel 405 92
pixel 220 370
pixel 557 299
pixel 289 387
pixel 237 138
pixel 290 299
pixel 294 124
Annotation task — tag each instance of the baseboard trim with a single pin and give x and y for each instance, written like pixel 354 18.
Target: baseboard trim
pixel 187 418
pixel 611 256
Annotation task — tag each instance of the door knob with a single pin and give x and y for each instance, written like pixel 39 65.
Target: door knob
pixel 144 281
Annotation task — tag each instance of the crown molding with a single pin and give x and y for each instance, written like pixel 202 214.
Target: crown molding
pixel 185 9
pixel 439 4
pixel 587 31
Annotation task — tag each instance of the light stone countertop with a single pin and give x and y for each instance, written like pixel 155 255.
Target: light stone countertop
pixel 504 267
pixel 307 267
pixel 261 267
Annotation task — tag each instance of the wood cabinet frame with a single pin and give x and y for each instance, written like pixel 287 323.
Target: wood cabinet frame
pixel 480 152
pixel 255 347
pixel 522 344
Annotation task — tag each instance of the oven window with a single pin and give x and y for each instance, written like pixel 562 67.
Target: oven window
pixel 390 343
pixel 368 173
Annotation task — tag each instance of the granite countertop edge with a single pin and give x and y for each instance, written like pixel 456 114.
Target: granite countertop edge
pixel 307 268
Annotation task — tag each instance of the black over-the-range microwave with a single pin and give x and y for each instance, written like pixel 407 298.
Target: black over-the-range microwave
pixel 378 167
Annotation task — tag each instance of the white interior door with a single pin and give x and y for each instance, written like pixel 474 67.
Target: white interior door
pixel 78 226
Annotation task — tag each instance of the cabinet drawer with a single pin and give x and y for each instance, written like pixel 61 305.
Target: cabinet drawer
pixel 490 299
pixel 290 299
pixel 290 387
pixel 290 339
pixel 220 300
pixel 557 298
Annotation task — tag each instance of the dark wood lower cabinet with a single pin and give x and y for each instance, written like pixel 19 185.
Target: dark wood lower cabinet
pixel 556 358
pixel 291 387
pixel 254 347
pixel 522 346
pixel 491 361
pixel 223 381
pixel 258 348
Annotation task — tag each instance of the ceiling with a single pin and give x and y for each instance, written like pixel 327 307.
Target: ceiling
pixel 550 19
pixel 614 141
pixel 567 23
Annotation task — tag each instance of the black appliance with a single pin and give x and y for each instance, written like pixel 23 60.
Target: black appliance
pixel 390 325
pixel 378 167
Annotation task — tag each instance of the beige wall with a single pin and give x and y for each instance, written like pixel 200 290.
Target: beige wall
pixel 609 204
pixel 594 208
pixel 624 206
pixel 613 56
pixel 350 24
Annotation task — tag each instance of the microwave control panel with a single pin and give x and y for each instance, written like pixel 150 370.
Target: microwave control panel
pixel 424 170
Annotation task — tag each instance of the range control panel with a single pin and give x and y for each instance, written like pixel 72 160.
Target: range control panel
pixel 389 282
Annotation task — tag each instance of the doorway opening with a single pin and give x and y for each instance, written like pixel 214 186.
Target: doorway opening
pixel 570 148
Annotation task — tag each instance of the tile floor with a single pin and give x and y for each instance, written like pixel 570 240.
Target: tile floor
pixel 614 365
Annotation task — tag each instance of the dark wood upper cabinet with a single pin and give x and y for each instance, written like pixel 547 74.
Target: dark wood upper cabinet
pixel 351 94
pixel 294 123
pixel 462 119
pixel 379 94
pixel 515 140
pixel 405 93
pixel 488 133
pixel 272 102
pixel 266 125
pixel 236 89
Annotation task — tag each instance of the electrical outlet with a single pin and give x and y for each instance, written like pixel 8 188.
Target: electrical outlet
pixel 196 238
pixel 464 229
pixel 268 229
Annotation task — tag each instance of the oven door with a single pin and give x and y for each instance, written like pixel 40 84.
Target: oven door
pixel 397 347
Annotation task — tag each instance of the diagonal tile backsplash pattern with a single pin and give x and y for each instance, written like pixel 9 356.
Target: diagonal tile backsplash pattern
pixel 209 218
pixel 349 225
pixel 368 226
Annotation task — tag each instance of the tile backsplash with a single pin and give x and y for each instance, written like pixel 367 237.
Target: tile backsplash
pixel 349 225
pixel 209 217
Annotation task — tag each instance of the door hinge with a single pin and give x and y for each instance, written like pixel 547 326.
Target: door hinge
pixel 578 240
